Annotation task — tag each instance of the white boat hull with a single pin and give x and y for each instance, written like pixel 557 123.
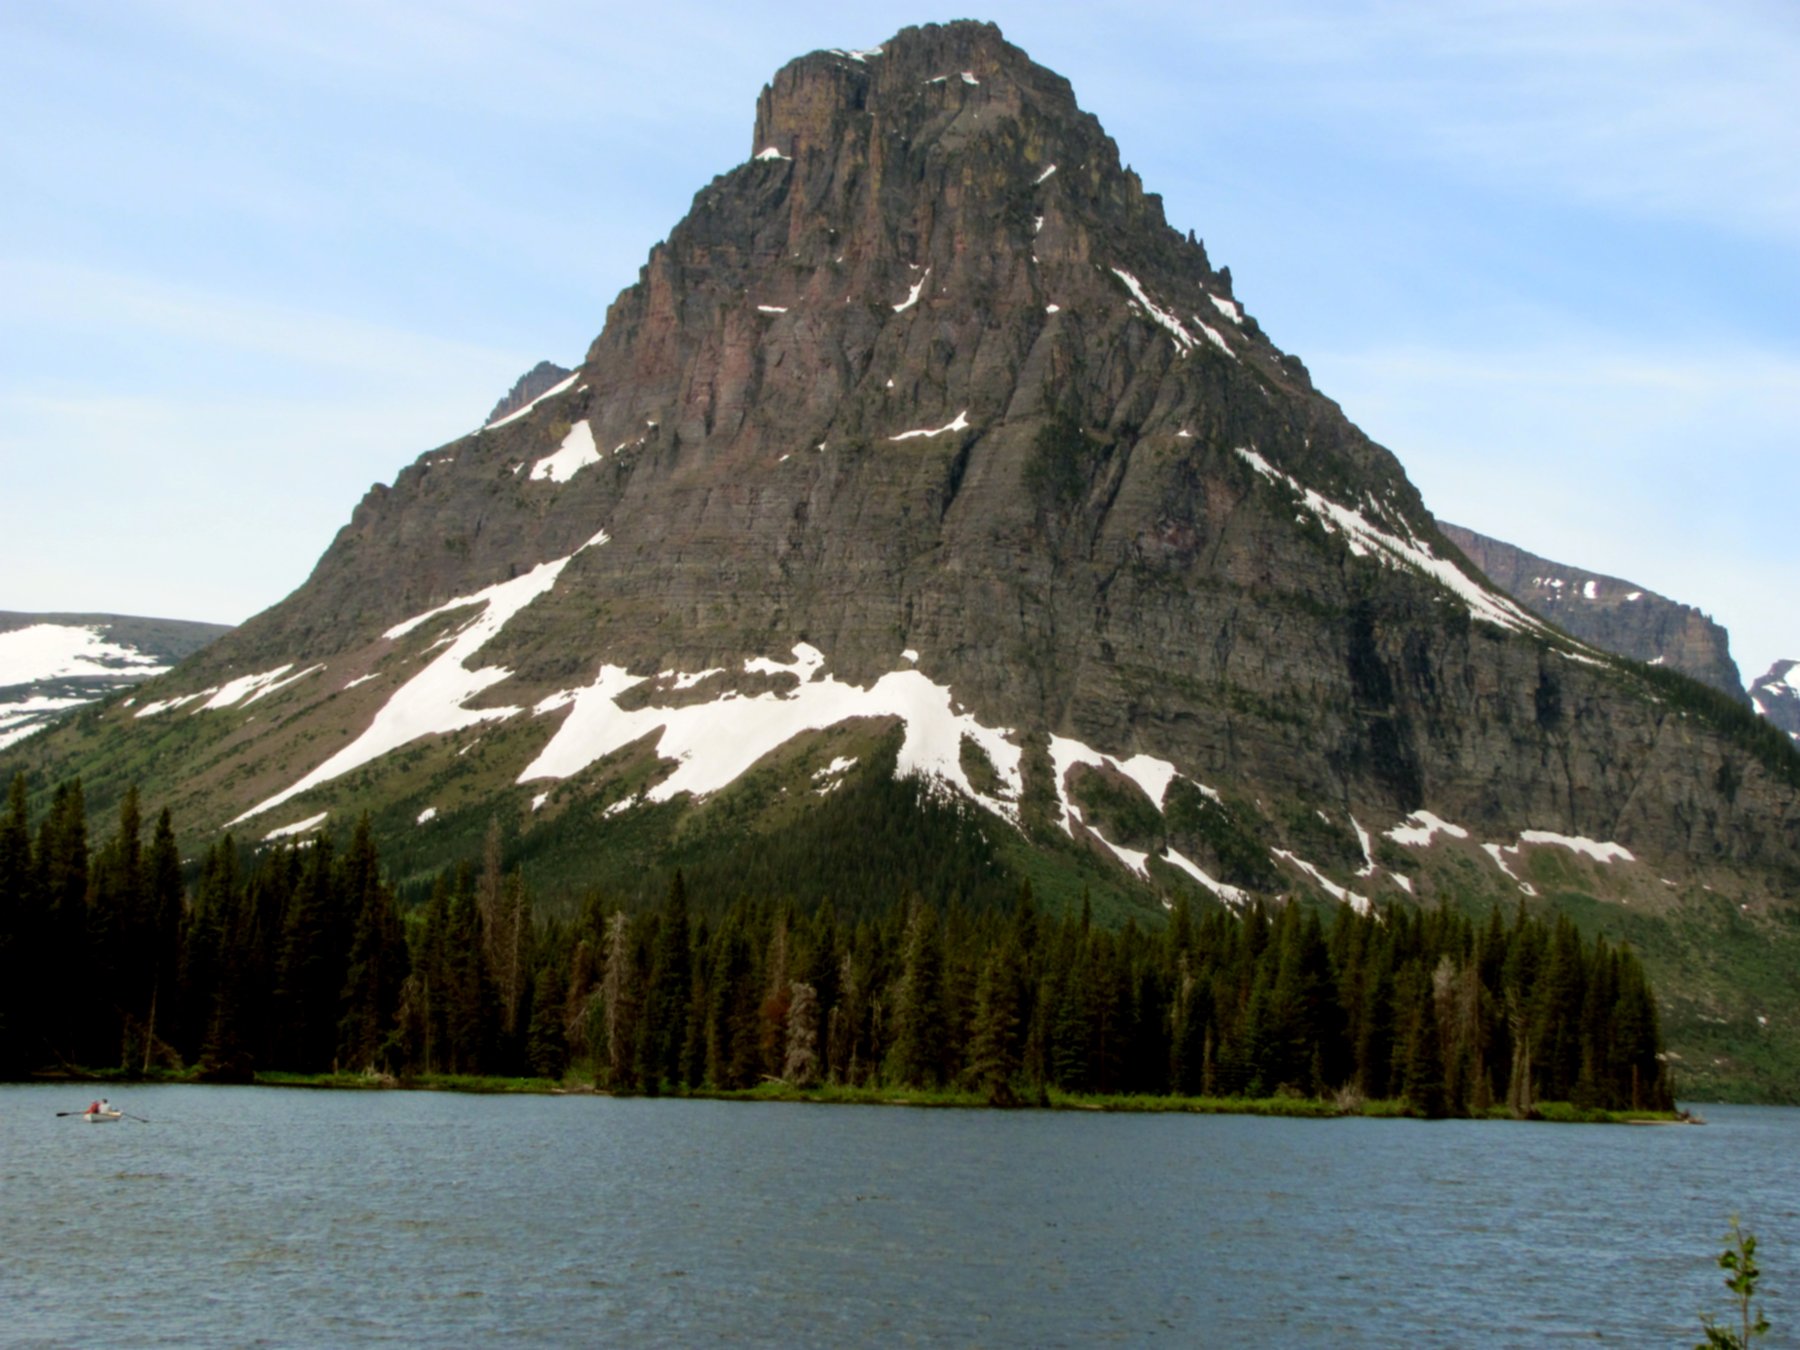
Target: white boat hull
pixel 102 1117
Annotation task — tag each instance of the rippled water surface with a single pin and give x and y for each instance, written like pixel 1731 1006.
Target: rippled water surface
pixel 283 1217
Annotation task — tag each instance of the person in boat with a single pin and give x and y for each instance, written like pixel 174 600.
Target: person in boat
pixel 105 1107
pixel 94 1108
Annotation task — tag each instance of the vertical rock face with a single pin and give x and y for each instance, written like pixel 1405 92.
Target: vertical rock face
pixel 929 385
pixel 1777 696
pixel 1614 615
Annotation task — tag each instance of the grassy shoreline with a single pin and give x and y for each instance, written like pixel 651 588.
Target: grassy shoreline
pixel 1310 1108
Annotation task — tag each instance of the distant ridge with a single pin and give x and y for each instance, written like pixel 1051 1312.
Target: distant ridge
pixel 51 664
pixel 1618 616
pixel 1777 696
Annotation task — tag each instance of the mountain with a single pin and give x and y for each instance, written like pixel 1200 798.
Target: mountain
pixel 527 389
pixel 53 663
pixel 931 515
pixel 1617 616
pixel 1777 696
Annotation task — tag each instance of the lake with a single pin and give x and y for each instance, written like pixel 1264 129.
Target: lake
pixel 290 1217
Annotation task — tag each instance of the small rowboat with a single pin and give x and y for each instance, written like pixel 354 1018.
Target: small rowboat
pixel 102 1117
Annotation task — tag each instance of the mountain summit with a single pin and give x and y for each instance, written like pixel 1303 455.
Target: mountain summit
pixel 924 445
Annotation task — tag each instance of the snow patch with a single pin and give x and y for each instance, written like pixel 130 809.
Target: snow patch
pixel 961 423
pixel 772 309
pixel 910 656
pixel 830 778
pixel 1599 852
pixel 1052 309
pixel 1359 903
pixel 1494 851
pixel 55 651
pixel 714 743
pixel 1151 774
pixel 1042 177
pixel 1362 838
pixel 1184 340
pixel 170 704
pixel 912 296
pixel 968 77
pixel 428 814
pixel 575 454
pixel 770 152
pixel 306 826
pixel 1227 307
pixel 1231 895
pixel 1416 830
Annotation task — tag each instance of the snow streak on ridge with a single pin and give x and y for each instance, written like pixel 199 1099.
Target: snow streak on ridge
pixel 434 701
pixel 1410 552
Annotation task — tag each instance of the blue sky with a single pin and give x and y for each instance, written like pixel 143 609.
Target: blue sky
pixel 257 256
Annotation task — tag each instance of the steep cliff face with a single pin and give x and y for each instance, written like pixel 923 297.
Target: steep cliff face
pixel 925 417
pixel 1614 615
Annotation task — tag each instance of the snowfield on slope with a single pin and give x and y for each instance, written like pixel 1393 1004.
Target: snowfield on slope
pixel 56 651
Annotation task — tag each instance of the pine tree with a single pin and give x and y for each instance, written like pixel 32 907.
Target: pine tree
pixel 994 1052
pixel 670 992
pixel 918 1052
pixel 378 961
pixel 22 936
pixel 546 1045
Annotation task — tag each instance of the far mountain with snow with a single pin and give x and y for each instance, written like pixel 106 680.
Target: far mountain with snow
pixel 51 664
pixel 1777 696
pixel 1617 616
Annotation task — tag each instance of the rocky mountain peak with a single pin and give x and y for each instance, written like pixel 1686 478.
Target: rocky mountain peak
pixel 924 425
pixel 540 379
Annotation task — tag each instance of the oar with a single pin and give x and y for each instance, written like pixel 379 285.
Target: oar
pixel 139 1119
pixel 71 1113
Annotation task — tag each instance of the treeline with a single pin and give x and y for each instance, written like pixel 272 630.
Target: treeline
pixel 299 958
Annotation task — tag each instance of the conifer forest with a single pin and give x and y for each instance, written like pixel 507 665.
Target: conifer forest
pixel 302 958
